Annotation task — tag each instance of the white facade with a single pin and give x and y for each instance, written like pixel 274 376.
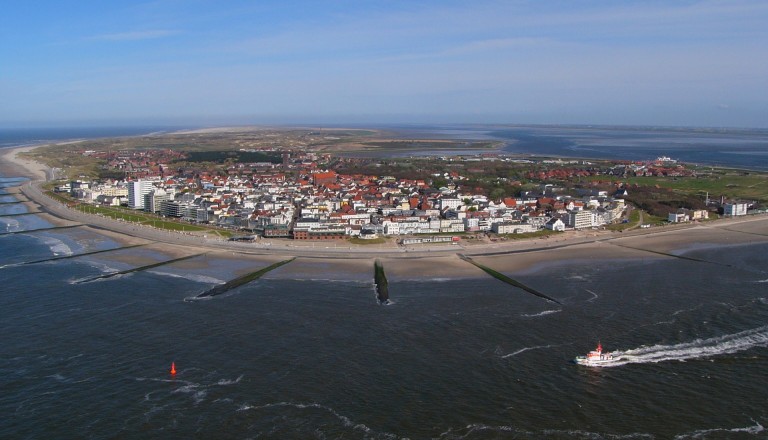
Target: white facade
pixel 504 228
pixel 580 219
pixel 735 209
pixel 136 192
pixel 450 203
pixel 153 201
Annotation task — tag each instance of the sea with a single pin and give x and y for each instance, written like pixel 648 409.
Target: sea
pixel 739 148
pixel 283 358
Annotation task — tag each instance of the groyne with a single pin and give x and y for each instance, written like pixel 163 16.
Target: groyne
pixel 138 269
pixel 501 277
pixel 245 279
pixel 380 280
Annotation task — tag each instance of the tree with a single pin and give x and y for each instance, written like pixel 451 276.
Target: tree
pixel 498 193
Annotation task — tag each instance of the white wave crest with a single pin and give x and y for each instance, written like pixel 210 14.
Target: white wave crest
pixel 198 278
pixel 57 246
pixel 11 225
pixel 523 350
pixel 536 315
pixel 755 429
pixel 474 430
pixel 697 349
pixel 229 381
pixel 345 421
pixel 198 393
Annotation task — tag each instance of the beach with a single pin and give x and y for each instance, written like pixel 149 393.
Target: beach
pixel 341 260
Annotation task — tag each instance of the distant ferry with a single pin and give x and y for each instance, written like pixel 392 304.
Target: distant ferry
pixel 596 358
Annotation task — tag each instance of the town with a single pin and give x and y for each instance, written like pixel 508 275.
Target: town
pixel 305 195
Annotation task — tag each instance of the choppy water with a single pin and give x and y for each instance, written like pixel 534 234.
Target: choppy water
pixel 450 359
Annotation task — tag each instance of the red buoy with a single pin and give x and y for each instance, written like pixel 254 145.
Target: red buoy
pixel 173 367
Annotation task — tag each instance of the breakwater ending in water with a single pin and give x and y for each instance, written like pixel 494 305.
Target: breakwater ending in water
pixel 245 279
pixel 382 285
pixel 501 277
pixel 138 269
pixel 84 254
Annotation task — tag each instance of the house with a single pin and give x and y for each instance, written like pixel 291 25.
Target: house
pixel 680 216
pixel 735 209
pixel 555 224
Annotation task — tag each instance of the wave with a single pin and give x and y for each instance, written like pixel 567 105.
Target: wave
pixel 536 315
pixel 223 382
pixel 345 421
pixel 504 431
pixel 198 394
pixel 523 350
pixel 697 349
pixel 57 246
pixel 705 433
pixel 198 278
pixel 11 225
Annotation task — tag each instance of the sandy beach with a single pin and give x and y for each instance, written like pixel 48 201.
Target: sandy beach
pixel 355 263
pixel 11 164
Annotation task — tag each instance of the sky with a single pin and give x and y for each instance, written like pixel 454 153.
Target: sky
pixel 182 62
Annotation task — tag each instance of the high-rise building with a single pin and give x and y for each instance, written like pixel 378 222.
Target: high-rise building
pixel 153 200
pixel 136 192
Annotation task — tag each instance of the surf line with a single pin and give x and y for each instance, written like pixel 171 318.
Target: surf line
pixel 138 269
pixel 245 279
pixel 501 277
pixel 21 213
pixel 84 254
pixel 27 231
pixel 380 280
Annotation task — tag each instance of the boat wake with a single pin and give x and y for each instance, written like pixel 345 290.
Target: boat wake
pixel 697 349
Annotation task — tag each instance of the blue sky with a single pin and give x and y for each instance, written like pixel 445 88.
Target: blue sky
pixel 699 63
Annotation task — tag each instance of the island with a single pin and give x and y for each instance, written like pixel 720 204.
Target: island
pixel 358 198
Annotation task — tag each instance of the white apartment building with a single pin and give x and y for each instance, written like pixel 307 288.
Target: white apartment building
pixel 580 219
pixel 136 192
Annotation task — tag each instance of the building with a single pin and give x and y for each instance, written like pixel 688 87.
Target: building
pixel 580 219
pixel 136 192
pixel 504 227
pixel 555 224
pixel 153 201
pixel 681 216
pixel 735 209
pixel 320 233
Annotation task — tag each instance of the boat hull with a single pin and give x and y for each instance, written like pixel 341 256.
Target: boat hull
pixel 600 362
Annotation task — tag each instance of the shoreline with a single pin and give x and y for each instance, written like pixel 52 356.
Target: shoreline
pixel 412 263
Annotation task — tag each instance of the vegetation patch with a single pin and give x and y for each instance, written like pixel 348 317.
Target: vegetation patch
pixel 365 241
pixel 220 157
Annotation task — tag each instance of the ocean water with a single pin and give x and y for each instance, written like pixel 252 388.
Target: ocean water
pixel 747 149
pixel 734 148
pixel 10 137
pixel 450 359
